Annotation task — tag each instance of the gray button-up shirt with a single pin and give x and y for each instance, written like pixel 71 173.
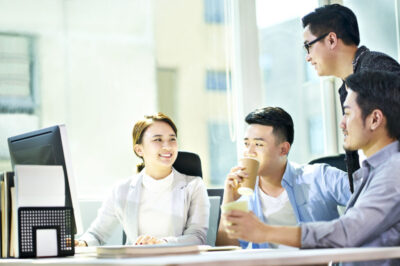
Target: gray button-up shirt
pixel 372 216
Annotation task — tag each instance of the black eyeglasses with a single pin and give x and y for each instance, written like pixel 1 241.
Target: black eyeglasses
pixel 307 45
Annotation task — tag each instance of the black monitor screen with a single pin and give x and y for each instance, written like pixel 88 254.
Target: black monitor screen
pixel 48 146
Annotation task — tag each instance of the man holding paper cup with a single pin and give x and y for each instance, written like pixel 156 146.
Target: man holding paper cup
pixel 279 192
pixel 372 217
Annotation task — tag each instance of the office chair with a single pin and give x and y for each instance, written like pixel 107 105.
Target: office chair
pixel 188 163
pixel 215 203
pixel 335 161
pixel 216 192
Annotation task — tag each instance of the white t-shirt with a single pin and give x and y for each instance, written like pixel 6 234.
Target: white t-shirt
pixel 155 208
pixel 277 211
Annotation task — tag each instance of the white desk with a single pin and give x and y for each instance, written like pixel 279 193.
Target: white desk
pixel 231 258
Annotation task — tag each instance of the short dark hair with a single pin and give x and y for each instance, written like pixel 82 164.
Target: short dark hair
pixel 277 118
pixel 334 18
pixel 378 90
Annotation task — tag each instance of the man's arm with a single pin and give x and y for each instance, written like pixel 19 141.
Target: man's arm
pixel 230 194
pixel 222 237
pixel 246 226
pixel 374 214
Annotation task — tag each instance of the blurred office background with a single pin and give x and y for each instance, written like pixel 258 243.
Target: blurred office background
pixel 99 65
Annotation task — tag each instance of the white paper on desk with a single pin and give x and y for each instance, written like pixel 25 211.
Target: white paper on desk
pixel 39 186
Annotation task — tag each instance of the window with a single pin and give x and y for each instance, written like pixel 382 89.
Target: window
pixel 222 152
pixel 18 89
pixel 193 56
pixel 166 91
pixel 214 11
pixel 377 24
pixel 287 80
pixel 17 69
pixel 315 134
pixel 216 80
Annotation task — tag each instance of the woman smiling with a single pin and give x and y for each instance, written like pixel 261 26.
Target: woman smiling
pixel 159 204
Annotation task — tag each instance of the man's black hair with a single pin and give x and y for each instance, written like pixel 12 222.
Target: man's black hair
pixel 334 18
pixel 277 118
pixel 378 90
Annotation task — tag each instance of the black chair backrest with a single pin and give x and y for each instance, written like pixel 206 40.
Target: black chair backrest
pixel 216 192
pixel 336 161
pixel 188 163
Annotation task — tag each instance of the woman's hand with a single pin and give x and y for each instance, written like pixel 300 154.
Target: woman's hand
pixel 149 240
pixel 232 181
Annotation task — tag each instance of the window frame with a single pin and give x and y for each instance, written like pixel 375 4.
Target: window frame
pixel 28 104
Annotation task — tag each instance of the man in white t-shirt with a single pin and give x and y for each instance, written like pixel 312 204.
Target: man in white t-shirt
pixel 286 193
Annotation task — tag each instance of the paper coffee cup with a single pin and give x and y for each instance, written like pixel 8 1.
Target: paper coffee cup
pixel 235 205
pixel 251 168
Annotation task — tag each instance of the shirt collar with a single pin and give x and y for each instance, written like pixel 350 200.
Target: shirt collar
pixel 288 174
pixel 382 155
pixel 157 184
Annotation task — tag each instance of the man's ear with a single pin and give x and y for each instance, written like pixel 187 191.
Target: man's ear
pixel 285 148
pixel 376 119
pixel 332 40
pixel 138 149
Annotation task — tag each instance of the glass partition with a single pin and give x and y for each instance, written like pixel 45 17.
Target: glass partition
pixel 288 80
pixel 377 23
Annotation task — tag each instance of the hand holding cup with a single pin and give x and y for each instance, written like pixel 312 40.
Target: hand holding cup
pixel 233 179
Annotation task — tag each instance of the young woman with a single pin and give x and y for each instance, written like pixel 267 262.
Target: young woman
pixel 158 204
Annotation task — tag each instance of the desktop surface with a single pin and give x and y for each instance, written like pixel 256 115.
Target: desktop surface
pixel 231 258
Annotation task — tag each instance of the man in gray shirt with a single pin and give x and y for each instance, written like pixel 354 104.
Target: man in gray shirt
pixel 372 217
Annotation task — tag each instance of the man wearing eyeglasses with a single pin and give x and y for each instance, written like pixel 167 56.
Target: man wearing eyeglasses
pixel 331 39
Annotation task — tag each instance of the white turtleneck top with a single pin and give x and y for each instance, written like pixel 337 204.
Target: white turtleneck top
pixel 156 207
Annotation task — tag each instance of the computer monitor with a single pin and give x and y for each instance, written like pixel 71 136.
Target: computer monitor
pixel 48 146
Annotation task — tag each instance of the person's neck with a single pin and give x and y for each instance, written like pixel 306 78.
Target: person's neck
pixel 345 58
pixel 157 172
pixel 271 183
pixel 376 145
